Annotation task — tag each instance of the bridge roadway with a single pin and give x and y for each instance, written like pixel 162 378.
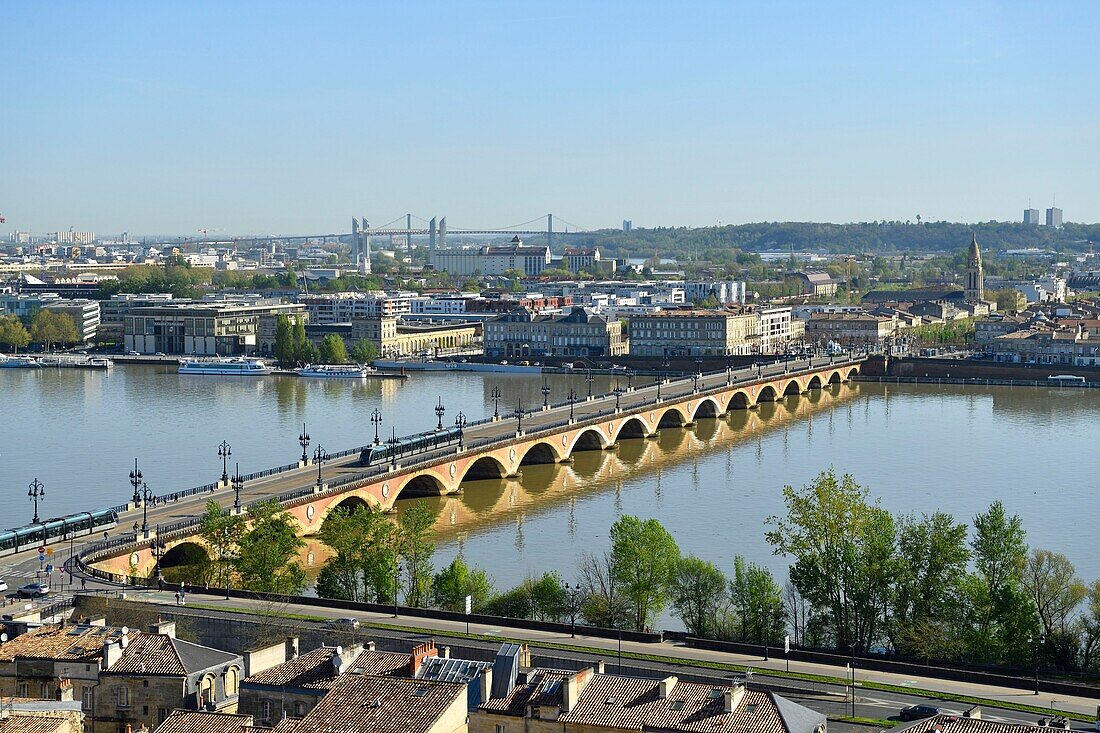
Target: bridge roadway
pixel 296 487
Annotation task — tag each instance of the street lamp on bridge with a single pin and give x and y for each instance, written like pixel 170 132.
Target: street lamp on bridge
pixel 494 394
pixel 135 481
pixel 572 399
pixel 146 495
pixel 376 419
pixel 303 440
pixel 630 380
pixel 695 382
pixel 392 443
pixel 238 484
pixel 460 423
pixel 589 378
pixel 319 457
pixel 224 452
pixel 37 490
pixel 618 396
pixel 518 415
pixel 440 410
pixel 545 389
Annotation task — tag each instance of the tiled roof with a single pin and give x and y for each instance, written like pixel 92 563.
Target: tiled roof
pixel 381 663
pixel 32 724
pixel 61 642
pixel 303 671
pixel 958 724
pixel 162 654
pixel 192 721
pixel 359 704
pixel 543 687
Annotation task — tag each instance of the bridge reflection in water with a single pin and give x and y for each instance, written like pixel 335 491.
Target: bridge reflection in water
pixel 488 504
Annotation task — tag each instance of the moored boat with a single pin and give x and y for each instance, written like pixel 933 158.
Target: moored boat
pixel 240 367
pixel 334 371
pixel 19 362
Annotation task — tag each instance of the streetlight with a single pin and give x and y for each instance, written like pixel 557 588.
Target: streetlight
pixel 695 382
pixel 135 481
pixel 572 399
pixel 157 546
pixel 588 378
pixel 494 394
pixel 545 389
pixel 37 491
pixel 396 580
pixel 573 593
pixel 460 423
pixel 319 457
pixel 225 558
pixel 376 419
pixel 224 452
pixel 630 380
pixel 618 396
pixel 518 415
pixel 766 614
pixel 238 484
pixel 439 410
pixel 146 495
pixel 303 440
pixel 1036 640
pixel 392 443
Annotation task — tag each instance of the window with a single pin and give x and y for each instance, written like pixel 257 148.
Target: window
pixel 162 715
pixel 22 689
pixel 299 709
pixel 123 697
pixel 499 728
pixel 86 697
pixel 265 710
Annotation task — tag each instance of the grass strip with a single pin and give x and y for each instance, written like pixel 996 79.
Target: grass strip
pixel 876 722
pixel 699 663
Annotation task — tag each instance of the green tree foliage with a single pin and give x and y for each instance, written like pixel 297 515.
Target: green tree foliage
pixel 415 547
pixel 285 351
pixel 181 281
pixel 456 581
pixel 50 328
pixel 697 592
pixel 842 548
pixel 304 353
pixel 364 351
pixel 13 334
pixel 222 531
pixel 1001 617
pixel 605 603
pixel 1055 591
pixel 267 556
pixel 757 601
pixel 542 598
pixel 644 557
pixel 364 559
pixel 333 350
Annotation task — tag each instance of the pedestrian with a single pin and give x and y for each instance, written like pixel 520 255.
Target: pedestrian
pixel 160 583
pixel 179 598
pixel 83 583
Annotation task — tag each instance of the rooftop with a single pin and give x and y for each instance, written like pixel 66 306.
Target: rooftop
pixel 61 642
pixel 192 721
pixel 166 655
pixel 957 724
pixel 359 704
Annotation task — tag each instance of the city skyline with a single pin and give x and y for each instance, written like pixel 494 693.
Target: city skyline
pixel 290 122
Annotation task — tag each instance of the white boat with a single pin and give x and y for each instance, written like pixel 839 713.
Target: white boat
pixel 240 366
pixel 19 362
pixel 334 371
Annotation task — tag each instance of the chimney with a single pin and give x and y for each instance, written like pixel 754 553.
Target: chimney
pixel 485 684
pixel 168 628
pixel 342 658
pixel 291 647
pixel 599 667
pixel 370 645
pixel 573 686
pixel 525 656
pixel 446 652
pixel 974 712
pixel 732 697
pixel 664 688
pixel 420 652
pixel 112 651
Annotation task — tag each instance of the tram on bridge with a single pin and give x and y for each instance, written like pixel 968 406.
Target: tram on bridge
pixel 42 533
pixel 373 455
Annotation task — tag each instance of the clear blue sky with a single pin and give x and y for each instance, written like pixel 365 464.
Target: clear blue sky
pixel 272 117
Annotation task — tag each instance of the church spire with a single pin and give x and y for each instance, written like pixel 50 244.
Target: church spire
pixel 975 282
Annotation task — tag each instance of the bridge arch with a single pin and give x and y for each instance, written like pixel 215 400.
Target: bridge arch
pixel 590 439
pixel 793 388
pixel 739 401
pixel 814 383
pixel 632 427
pixel 485 467
pixel 187 560
pixel 672 418
pixel 835 378
pixel 707 408
pixel 540 453
pixel 767 394
pixel 422 484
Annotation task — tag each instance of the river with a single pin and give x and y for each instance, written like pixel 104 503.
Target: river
pixel 918 447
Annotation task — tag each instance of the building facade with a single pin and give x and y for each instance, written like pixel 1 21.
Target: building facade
pixel 494 259
pixel 849 329
pixel 205 328
pixel 694 333
pixel 580 332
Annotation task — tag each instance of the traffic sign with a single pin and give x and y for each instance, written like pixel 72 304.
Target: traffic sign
pixel 49 550
pixel 42 549
pixel 41 557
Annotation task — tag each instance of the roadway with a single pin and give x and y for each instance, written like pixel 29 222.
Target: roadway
pixel 832 699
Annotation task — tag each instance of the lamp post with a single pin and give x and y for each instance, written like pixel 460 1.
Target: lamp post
pixel 225 559
pixel 766 616
pixel 439 410
pixel 573 593
pixel 494 394
pixel 572 399
pixel 396 580
pixel 37 490
pixel 238 484
pixel 460 423
pixel 146 495
pixel 545 389
pixel 618 397
pixel 224 452
pixel 589 378
pixel 695 382
pixel 135 481
pixel 630 380
pixel 376 419
pixel 660 380
pixel 156 546
pixel 303 440
pixel 392 443
pixel 518 415
pixel 319 457
pixel 1036 640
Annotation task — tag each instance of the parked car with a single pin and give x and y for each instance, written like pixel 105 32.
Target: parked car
pixel 32 590
pixel 3 586
pixel 347 622
pixel 160 353
pixel 133 353
pixel 918 712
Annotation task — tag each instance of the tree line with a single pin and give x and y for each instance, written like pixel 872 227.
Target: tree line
pixel 47 327
pixel 293 347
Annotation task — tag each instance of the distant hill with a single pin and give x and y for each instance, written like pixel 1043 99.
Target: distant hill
pixel 720 242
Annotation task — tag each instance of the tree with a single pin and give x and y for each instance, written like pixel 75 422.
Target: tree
pixel 266 559
pixel 605 604
pixel 50 327
pixel 842 547
pixel 222 532
pixel 456 581
pixel 364 559
pixel 697 590
pixel 304 352
pixel 13 333
pixel 364 351
pixel 549 601
pixel 757 600
pixel 1052 585
pixel 333 350
pixel 284 341
pixel 999 609
pixel 643 556
pixel 416 549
